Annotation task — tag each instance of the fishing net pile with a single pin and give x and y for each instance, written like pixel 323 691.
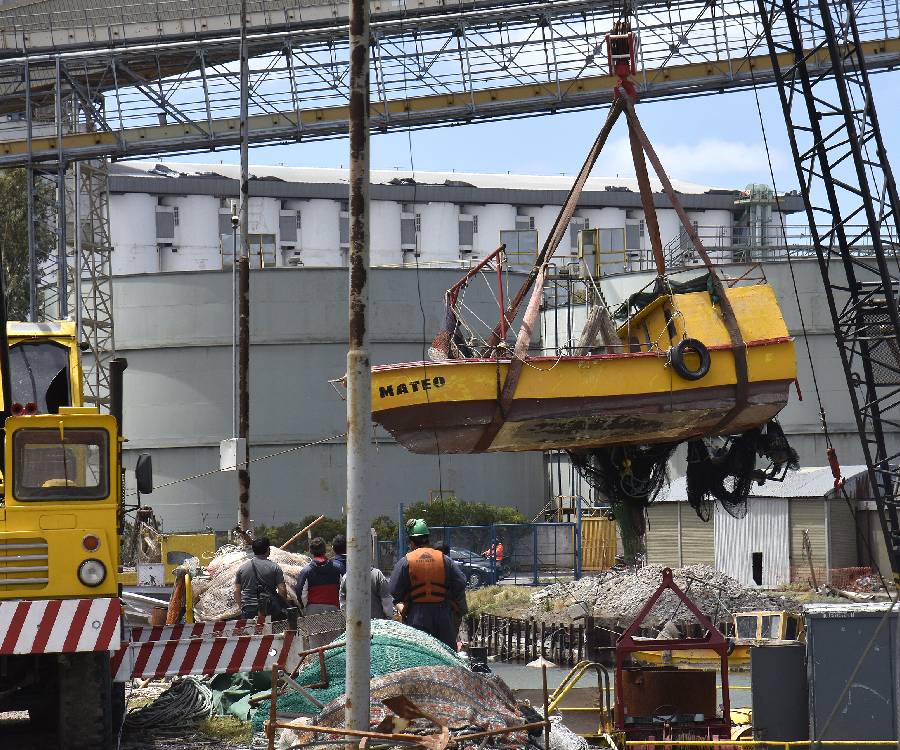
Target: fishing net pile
pixel 395 647
pixel 214 594
pixel 464 701
pixel 722 469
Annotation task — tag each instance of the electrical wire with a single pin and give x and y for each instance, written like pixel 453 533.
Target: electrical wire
pixel 212 472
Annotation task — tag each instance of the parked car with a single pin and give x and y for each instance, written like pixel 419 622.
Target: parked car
pixel 477 567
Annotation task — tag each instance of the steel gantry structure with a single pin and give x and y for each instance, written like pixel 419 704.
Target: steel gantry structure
pixel 851 202
pixel 84 81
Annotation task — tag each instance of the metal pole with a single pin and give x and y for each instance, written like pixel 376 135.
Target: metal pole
pixel 29 190
pixel 76 280
pixel 244 286
pixel 235 408
pixel 62 293
pixel 359 382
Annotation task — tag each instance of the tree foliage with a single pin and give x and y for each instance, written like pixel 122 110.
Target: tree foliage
pixel 14 236
pixel 454 512
pixel 448 512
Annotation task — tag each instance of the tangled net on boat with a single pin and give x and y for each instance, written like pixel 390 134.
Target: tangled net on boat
pixel 632 476
pixel 629 476
pixel 726 472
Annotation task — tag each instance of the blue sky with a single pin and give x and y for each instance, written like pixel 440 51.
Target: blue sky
pixel 713 140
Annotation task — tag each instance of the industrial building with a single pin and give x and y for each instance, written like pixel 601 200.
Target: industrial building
pixel 172 235
pixel 177 217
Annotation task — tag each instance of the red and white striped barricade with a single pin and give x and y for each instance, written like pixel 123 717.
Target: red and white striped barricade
pixel 59 626
pixel 205 649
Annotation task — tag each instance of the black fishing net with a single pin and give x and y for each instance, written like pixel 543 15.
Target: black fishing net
pixel 725 471
pixel 628 476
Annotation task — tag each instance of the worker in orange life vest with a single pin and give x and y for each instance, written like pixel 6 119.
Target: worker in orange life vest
pixel 426 582
pixel 494 552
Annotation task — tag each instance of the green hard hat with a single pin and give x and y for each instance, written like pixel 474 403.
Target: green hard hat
pixel 417 527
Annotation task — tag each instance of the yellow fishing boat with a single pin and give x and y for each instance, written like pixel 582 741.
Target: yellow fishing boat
pixel 712 357
pixel 634 396
pixel 750 629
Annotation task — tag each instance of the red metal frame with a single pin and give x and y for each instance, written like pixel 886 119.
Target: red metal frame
pixel 712 640
pixel 453 292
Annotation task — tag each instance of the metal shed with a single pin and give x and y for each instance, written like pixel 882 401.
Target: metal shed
pixel 765 547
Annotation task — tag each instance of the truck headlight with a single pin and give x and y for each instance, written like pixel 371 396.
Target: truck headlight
pixel 92 572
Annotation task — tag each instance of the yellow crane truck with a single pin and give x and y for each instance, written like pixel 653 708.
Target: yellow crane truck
pixel 60 524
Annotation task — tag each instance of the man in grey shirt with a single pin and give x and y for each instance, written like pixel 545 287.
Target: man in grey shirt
pixel 258 575
pixel 382 603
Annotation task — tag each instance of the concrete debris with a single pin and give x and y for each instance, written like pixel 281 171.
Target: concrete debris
pixel 617 596
pixel 214 593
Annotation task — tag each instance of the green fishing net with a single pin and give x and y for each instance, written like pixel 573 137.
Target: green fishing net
pixel 394 647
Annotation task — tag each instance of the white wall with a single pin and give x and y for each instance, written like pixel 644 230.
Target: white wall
pixel 132 227
pixel 320 232
pixel 385 233
pixel 196 246
pixel 439 240
pixel 492 219
pixel 763 530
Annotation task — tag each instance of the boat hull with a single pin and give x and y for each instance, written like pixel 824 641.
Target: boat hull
pixel 577 402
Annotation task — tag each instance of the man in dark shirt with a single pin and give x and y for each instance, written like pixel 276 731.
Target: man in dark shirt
pixel 319 582
pixel 339 547
pixel 258 575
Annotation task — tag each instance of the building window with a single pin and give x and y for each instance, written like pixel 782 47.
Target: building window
pixel 641 227
pixel 175 215
pixel 298 221
pixel 418 222
pixel 475 224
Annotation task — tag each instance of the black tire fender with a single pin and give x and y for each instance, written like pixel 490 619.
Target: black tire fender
pixel 676 357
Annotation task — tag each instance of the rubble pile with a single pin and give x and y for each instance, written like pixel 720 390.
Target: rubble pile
pixel 214 593
pixel 617 596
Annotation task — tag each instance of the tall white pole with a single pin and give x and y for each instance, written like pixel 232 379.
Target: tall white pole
pixel 359 382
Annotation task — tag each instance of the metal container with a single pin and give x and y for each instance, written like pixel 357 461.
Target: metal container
pixel 837 639
pixel 679 693
pixel 780 692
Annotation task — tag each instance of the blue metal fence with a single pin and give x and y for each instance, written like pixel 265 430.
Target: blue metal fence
pixel 532 553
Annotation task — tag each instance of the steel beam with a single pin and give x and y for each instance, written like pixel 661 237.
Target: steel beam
pixel 421 112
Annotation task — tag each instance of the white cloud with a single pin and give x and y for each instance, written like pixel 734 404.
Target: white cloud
pixel 711 161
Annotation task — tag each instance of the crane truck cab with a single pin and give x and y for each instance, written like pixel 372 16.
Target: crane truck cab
pixel 60 511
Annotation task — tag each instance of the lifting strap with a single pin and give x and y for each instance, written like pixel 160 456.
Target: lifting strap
pixel 738 346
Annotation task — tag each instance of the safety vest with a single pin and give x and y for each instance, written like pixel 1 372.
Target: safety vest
pixel 427 576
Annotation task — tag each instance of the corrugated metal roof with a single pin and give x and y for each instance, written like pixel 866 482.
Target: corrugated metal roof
pixel 168 170
pixel 812 482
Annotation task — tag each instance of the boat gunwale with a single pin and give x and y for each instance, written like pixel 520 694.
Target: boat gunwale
pixel 656 353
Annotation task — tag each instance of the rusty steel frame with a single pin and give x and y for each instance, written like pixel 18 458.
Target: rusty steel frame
pixel 712 640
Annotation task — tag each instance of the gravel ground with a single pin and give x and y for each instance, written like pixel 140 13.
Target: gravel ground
pixel 617 596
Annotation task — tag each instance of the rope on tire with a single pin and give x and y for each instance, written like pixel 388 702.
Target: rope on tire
pixel 184 704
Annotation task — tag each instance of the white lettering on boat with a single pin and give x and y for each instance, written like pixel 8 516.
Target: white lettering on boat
pixel 402 389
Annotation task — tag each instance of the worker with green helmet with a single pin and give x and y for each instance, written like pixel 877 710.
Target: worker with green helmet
pixel 426 582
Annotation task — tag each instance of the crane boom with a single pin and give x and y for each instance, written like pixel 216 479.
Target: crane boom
pixel 846 179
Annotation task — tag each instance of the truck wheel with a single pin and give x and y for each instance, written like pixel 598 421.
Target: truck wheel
pixel 85 702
